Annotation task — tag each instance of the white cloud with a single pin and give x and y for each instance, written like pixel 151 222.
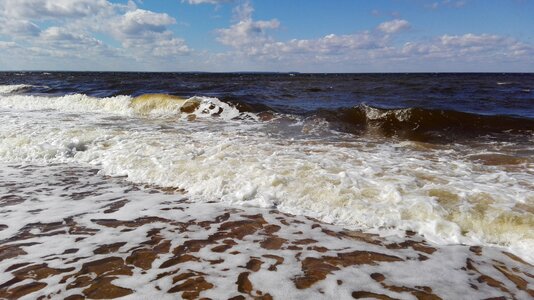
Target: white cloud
pixel 147 32
pixel 140 22
pixel 18 27
pixel 6 45
pixel 469 47
pixel 69 28
pixel 244 11
pixel 60 42
pixel 253 45
pixel 333 44
pixel 160 45
pixel 59 35
pixel 471 40
pixel 170 47
pixel 247 33
pixel 250 38
pixel 43 9
pixel 394 26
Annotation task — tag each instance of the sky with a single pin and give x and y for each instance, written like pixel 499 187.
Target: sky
pixel 268 35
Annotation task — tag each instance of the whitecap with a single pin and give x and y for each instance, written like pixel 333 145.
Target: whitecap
pixel 14 88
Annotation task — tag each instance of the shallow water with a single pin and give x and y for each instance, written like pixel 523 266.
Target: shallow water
pixel 67 232
pixel 312 154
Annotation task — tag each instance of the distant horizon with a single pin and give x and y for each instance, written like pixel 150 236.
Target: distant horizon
pixel 314 36
pixel 262 72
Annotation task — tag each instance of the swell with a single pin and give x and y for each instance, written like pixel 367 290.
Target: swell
pixel 423 124
pixel 413 123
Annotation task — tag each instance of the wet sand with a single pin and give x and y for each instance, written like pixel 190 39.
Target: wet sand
pixel 67 232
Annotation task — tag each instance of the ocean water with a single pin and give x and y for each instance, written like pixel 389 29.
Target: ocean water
pixel 449 156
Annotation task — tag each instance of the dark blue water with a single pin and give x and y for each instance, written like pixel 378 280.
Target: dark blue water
pixel 489 94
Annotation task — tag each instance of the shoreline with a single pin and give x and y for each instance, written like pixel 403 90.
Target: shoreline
pixel 90 236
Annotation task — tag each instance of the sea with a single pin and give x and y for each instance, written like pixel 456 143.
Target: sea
pixel 447 156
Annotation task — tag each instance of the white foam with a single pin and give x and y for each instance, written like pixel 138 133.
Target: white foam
pixel 376 114
pixel 121 105
pixel 354 182
pixel 51 194
pixel 14 88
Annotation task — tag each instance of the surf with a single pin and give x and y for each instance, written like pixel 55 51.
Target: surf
pixel 146 105
pixel 350 181
pixel 15 88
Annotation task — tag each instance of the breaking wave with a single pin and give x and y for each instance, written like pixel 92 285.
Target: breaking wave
pixel 418 124
pixel 15 88
pixel 148 105
pixel 443 194
pixel 423 124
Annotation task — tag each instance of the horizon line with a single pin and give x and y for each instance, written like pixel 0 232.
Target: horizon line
pixel 272 72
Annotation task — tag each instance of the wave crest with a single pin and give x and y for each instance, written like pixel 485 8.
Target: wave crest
pixel 423 124
pixel 14 88
pixel 148 105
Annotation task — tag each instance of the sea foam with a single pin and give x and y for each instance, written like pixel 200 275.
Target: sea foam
pixel 150 105
pixel 14 88
pixel 218 157
pixel 68 231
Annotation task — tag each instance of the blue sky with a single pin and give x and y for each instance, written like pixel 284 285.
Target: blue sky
pixel 268 35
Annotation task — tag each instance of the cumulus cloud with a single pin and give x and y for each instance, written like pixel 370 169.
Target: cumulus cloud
pixel 472 40
pixel 141 22
pixel 42 9
pixel 394 26
pixel 62 35
pixel 246 33
pixel 60 42
pixel 470 47
pixel 251 38
pixel 18 27
pixel 141 26
pixel 67 28
pixel 250 41
pixel 147 32
pixel 331 44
